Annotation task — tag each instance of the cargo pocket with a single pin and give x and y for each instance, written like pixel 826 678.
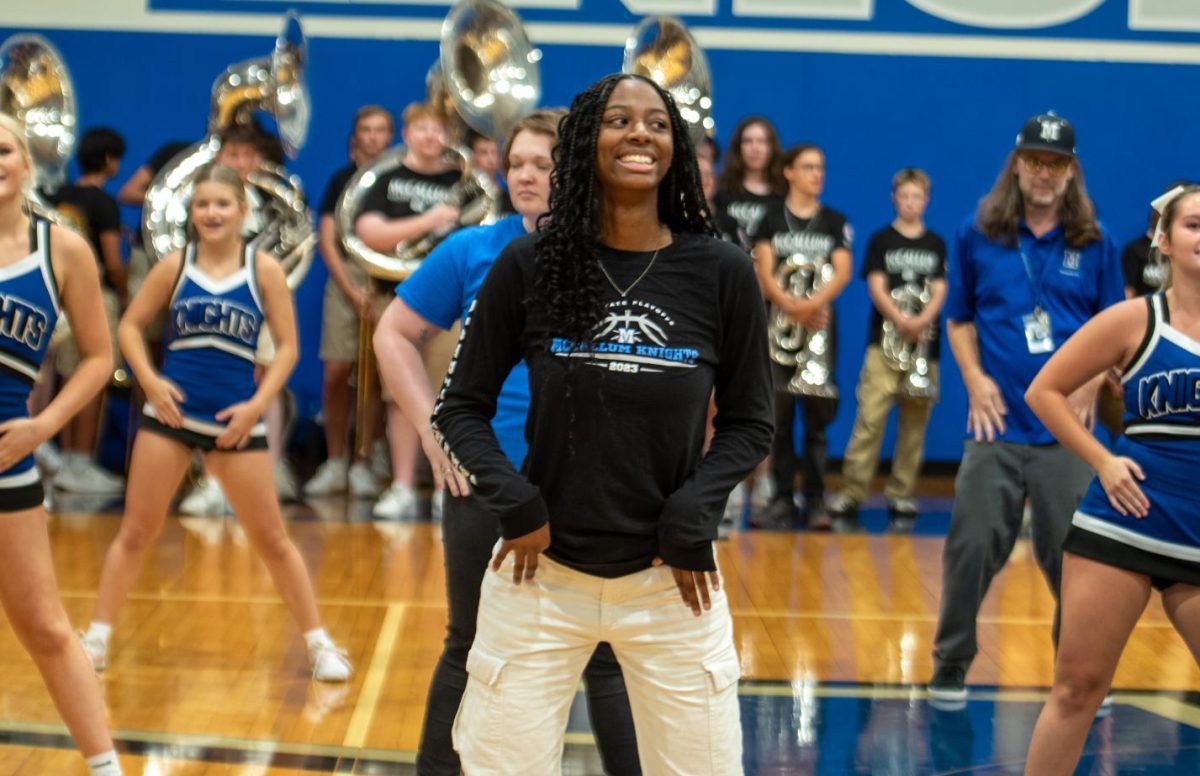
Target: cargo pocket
pixel 477 726
pixel 724 719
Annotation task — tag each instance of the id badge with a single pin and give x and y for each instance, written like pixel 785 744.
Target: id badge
pixel 1038 336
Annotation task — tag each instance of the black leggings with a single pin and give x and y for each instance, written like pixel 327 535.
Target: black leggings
pixel 469 533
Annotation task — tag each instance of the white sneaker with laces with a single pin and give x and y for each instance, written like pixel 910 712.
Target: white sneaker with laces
pixel 330 663
pixel 285 482
pixel 329 479
pixel 96 650
pixel 79 475
pixel 398 502
pixel 206 498
pixel 363 482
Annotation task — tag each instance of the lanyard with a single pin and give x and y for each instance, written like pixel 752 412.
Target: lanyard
pixel 1035 284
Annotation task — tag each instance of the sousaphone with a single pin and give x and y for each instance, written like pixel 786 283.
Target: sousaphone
pixel 36 90
pixel 487 77
pixel 662 49
pixel 274 83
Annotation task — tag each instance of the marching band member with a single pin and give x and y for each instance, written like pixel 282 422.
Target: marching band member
pixel 902 254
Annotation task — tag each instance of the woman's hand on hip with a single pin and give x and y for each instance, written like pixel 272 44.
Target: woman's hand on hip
pixel 694 586
pixel 525 550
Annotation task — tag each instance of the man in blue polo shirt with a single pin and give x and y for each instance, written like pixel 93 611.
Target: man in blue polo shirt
pixel 1029 269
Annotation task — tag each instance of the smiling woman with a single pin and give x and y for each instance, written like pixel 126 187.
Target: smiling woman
pixel 629 314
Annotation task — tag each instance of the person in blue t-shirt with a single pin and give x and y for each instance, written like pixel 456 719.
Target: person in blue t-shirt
pixel 439 293
pixel 1028 270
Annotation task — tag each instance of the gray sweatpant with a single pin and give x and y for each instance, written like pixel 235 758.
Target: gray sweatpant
pixel 994 479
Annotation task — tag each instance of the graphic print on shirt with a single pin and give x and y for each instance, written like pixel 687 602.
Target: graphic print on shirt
pixel 911 263
pixel 634 337
pixel 418 194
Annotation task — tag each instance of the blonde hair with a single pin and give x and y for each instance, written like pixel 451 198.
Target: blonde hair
pixel 18 132
pixel 912 175
pixel 217 173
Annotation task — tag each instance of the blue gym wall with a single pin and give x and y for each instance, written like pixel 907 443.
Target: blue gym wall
pixel 874 112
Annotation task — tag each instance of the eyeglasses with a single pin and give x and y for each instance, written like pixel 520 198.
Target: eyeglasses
pixel 1058 166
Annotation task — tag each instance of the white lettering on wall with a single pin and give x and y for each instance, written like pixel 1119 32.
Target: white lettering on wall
pixel 806 9
pixel 1010 14
pixel 681 7
pixel 1164 15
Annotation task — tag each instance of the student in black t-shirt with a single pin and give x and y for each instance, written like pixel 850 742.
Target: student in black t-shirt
pixel 904 253
pixel 93 212
pixel 404 206
pixel 629 313
pixel 801 225
pixel 752 178
pixel 346 296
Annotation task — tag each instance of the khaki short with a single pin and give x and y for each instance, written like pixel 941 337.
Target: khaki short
pixel 339 319
pixel 66 352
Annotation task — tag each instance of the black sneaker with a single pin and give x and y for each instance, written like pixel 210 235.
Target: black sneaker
pixel 948 685
pixel 780 514
pixel 817 517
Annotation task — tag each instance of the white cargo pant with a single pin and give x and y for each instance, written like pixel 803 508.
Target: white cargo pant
pixel 534 639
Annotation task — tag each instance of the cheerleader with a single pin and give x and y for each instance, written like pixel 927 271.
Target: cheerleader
pixel 44 271
pixel 1137 528
pixel 219 292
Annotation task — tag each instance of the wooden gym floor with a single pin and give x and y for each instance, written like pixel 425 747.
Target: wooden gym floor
pixel 208 674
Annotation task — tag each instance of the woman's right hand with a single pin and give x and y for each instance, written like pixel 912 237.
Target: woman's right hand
pixel 986 410
pixel 164 396
pixel 525 550
pixel 1119 476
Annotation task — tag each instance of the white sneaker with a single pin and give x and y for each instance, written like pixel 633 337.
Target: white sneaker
pixel 763 492
pixel 96 650
pixel 48 458
pixel 79 475
pixel 285 482
pixel 363 482
pixel 398 502
pixel 329 479
pixel 206 498
pixel 330 663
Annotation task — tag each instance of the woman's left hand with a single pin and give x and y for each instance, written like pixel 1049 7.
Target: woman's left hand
pixel 239 420
pixel 693 586
pixel 18 438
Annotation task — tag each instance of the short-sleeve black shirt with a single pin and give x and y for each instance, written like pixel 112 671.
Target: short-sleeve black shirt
pixel 904 260
pixel 89 210
pixel 334 189
pixel 403 192
pixel 740 215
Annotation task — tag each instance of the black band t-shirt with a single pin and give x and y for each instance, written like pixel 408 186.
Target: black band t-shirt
pixel 403 192
pixel 91 211
pixel 333 190
pixel 904 260
pixel 740 215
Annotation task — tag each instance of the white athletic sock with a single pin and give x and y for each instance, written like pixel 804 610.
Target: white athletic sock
pixel 317 637
pixel 100 630
pixel 105 764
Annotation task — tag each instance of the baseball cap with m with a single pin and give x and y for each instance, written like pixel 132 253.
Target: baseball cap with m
pixel 1047 132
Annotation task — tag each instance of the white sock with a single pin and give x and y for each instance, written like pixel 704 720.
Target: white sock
pixel 105 764
pixel 100 630
pixel 317 637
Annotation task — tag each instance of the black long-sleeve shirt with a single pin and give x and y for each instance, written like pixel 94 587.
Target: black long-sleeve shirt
pixel 616 428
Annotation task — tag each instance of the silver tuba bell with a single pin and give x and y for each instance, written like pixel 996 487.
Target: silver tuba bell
pixel 791 344
pixel 274 83
pixel 909 358
pixel 36 90
pixel 662 49
pixel 487 75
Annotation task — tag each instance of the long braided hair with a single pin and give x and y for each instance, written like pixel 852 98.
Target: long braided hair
pixel 569 282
